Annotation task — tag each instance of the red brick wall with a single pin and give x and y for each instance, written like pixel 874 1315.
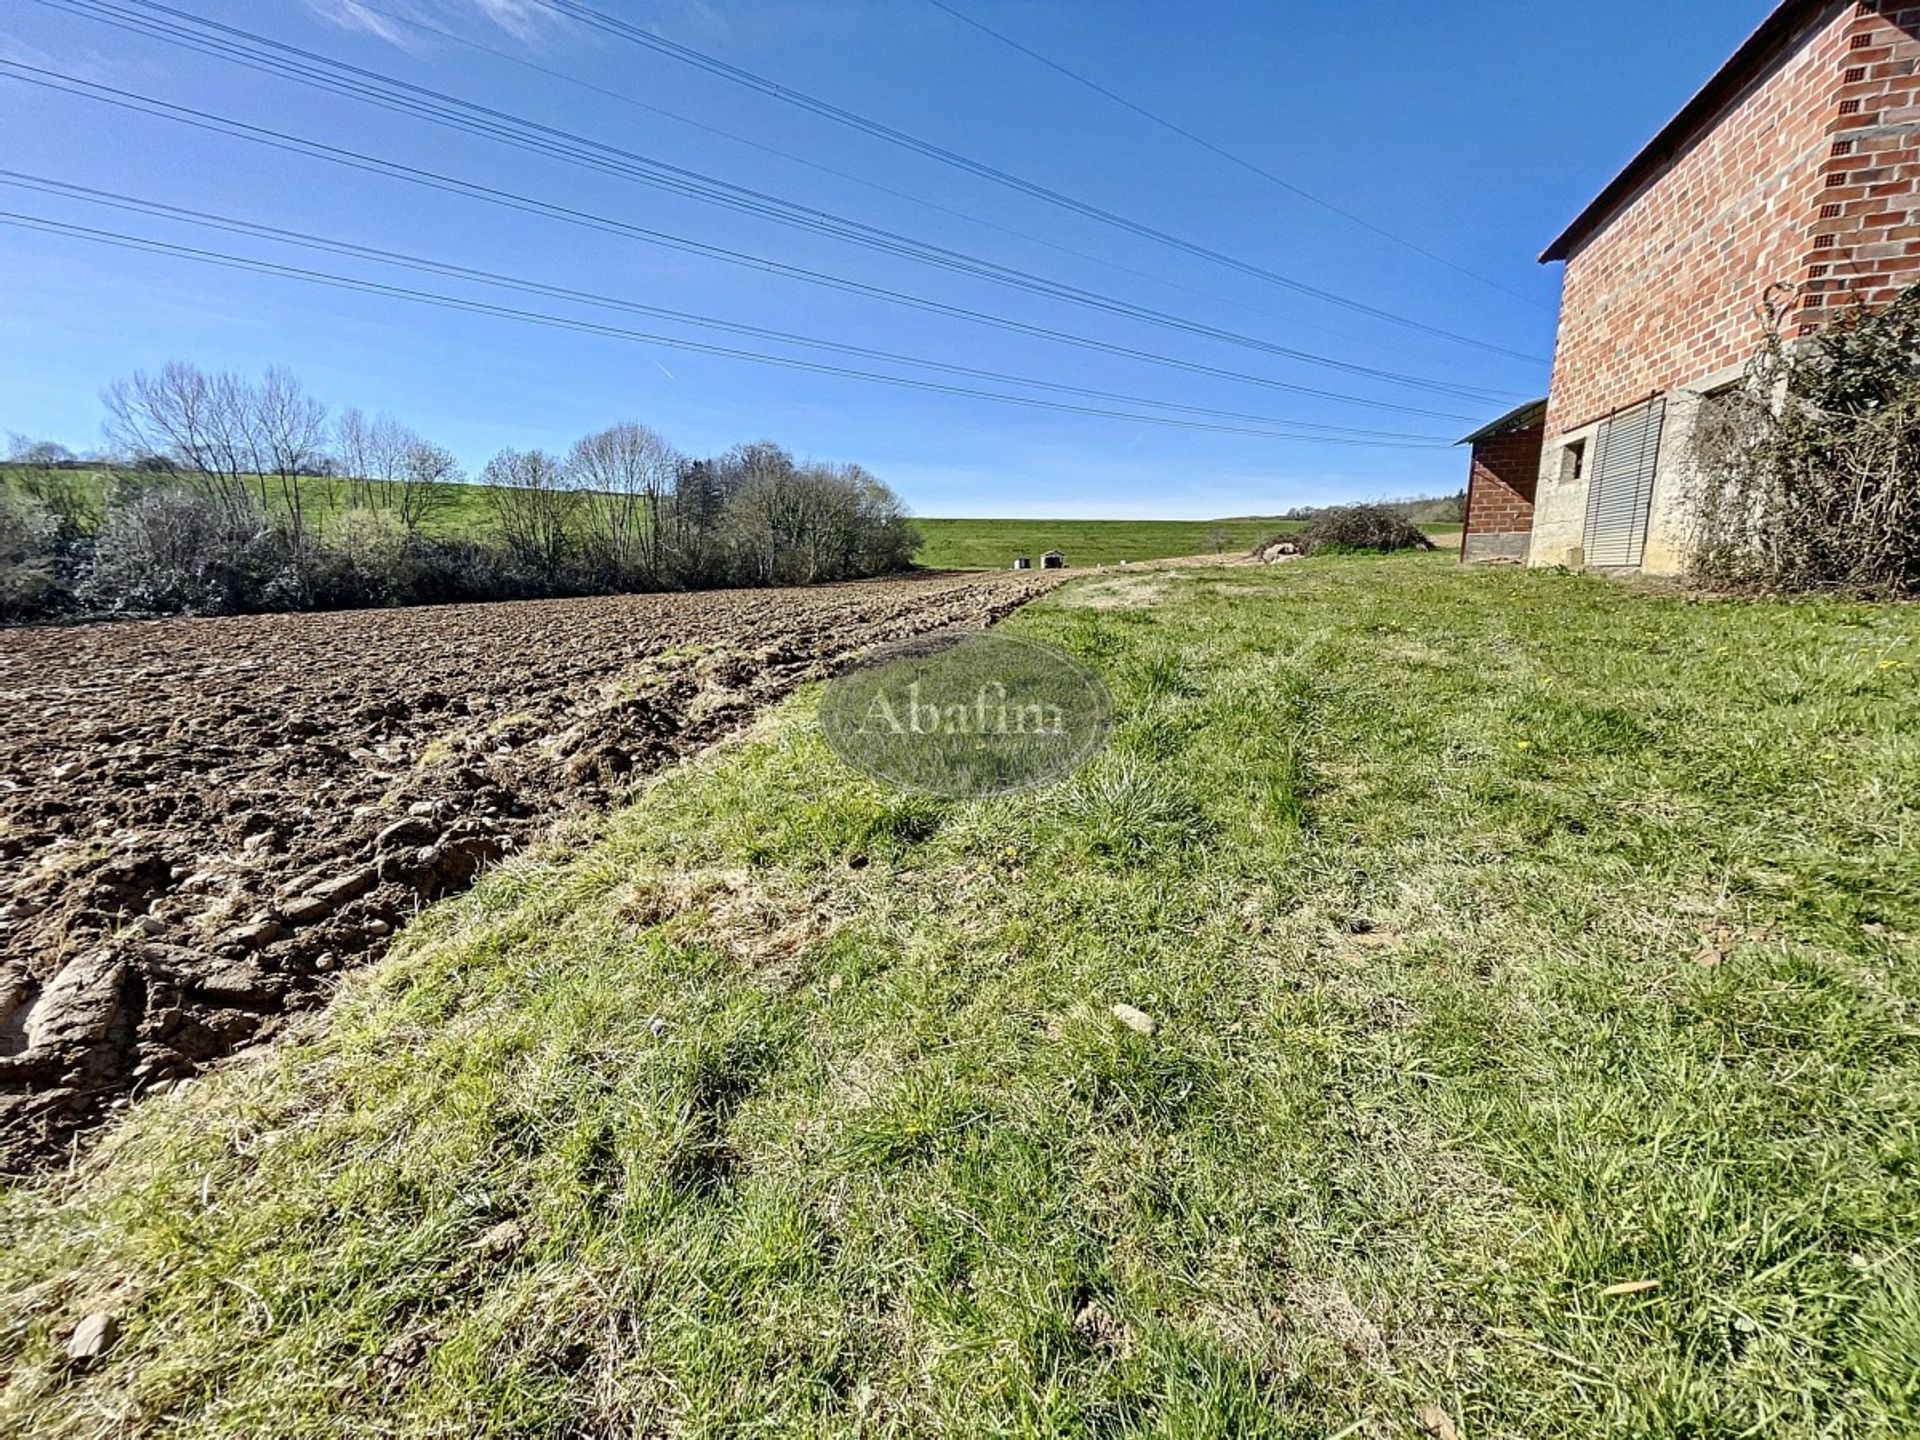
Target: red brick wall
pixel 1506 469
pixel 1866 229
pixel 1808 182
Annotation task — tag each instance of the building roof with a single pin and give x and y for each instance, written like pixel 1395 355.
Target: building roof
pixel 1772 40
pixel 1531 413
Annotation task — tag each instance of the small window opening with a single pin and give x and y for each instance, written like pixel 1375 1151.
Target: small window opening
pixel 1573 461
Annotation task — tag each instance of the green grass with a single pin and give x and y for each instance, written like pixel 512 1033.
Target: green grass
pixel 993 544
pixel 806 1112
pixel 459 510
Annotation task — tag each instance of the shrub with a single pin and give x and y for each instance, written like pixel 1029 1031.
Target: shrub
pixel 1809 472
pixel 366 559
pixel 170 548
pixel 460 570
pixel 1355 529
pixel 28 535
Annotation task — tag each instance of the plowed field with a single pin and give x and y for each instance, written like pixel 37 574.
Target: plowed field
pixel 203 821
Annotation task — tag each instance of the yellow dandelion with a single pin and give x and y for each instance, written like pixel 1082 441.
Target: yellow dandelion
pixel 1523 744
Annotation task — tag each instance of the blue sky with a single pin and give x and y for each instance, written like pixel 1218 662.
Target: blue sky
pixel 1472 130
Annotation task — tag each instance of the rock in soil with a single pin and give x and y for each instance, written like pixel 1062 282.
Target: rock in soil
pixel 92 1338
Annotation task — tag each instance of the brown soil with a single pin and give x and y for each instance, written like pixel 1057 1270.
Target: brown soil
pixel 203 821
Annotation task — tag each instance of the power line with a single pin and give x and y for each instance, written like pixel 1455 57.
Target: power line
pixel 308 240
pixel 507 57
pixel 450 111
pixel 608 24
pixel 451 302
pixel 278 140
pixel 1296 190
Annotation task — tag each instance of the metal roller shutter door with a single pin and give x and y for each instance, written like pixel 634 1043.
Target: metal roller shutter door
pixel 1621 491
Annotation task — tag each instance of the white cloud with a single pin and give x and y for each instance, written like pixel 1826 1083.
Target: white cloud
pixel 527 21
pixel 522 19
pixel 82 65
pixel 23 53
pixel 532 23
pixel 352 15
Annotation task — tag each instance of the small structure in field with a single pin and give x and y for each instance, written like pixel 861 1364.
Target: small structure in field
pixel 1505 471
pixel 1053 560
pixel 1023 562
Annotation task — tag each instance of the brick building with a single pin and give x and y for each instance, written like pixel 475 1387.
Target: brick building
pixel 1790 184
pixel 1500 486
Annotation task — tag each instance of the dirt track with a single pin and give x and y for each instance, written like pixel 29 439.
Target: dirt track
pixel 203 821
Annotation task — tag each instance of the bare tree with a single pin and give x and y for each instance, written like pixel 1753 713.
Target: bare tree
pixel 369 452
pixel 765 511
pixel 290 442
pixel 791 524
pixel 625 476
pixel 181 420
pixel 249 447
pixel 391 467
pixel 25 450
pixel 887 539
pixel 426 472
pixel 533 508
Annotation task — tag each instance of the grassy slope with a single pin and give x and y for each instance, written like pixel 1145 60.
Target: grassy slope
pixel 811 1107
pixel 462 509
pixel 992 544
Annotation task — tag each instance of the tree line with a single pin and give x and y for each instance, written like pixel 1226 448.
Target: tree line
pixel 220 494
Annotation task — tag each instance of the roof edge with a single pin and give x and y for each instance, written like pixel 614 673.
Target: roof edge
pixel 1534 412
pixel 1761 49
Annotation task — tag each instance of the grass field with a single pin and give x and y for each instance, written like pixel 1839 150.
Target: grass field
pixel 993 544
pixel 460 509
pixel 1531 965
